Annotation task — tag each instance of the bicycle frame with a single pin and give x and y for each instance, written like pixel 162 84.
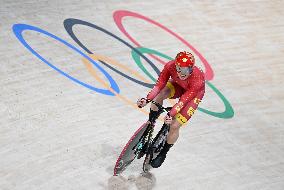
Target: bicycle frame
pixel 133 148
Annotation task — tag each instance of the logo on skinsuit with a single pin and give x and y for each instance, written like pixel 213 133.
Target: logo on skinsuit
pixel 197 101
pixel 93 61
pixel 178 108
pixel 190 111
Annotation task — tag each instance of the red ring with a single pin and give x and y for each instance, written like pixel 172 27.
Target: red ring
pixel 118 15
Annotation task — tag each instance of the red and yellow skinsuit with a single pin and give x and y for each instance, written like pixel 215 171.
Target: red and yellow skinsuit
pixel 190 91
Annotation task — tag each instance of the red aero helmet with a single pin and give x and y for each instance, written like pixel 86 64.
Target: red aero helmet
pixel 185 59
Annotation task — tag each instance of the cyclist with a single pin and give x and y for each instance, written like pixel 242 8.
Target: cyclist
pixel 180 78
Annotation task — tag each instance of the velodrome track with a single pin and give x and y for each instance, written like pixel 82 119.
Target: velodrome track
pixel 65 116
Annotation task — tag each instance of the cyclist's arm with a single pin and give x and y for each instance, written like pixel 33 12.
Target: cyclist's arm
pixel 161 83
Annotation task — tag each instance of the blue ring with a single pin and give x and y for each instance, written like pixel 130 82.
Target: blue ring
pixel 19 28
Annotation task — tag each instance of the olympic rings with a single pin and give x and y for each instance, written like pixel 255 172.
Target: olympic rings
pixel 137 53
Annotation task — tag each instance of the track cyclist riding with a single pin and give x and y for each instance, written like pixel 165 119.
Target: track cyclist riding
pixel 180 78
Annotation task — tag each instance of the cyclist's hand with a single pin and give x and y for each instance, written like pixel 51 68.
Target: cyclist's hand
pixel 141 102
pixel 168 119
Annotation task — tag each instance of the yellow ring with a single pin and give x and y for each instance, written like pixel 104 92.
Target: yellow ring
pixel 92 71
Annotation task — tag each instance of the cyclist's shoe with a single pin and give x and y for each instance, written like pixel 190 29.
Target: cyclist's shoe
pixel 158 161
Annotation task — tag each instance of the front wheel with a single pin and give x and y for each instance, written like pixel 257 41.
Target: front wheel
pixel 130 150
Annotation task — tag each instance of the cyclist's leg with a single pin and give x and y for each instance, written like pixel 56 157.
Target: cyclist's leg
pixel 183 116
pixel 174 132
pixel 175 125
pixel 157 162
pixel 180 119
pixel 188 110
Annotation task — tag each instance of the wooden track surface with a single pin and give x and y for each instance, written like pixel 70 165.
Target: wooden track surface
pixel 58 134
